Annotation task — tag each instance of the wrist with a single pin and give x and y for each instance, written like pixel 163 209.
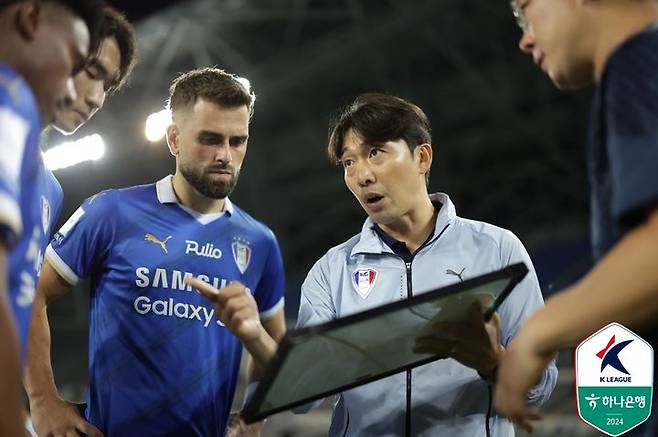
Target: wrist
pixel 257 340
pixel 489 372
pixel 42 396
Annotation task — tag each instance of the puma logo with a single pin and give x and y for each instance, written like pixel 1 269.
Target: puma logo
pixel 454 273
pixel 162 243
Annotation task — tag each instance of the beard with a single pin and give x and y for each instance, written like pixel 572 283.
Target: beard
pixel 208 187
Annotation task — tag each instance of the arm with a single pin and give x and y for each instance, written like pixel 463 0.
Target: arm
pixel 39 380
pixel 275 328
pixel 236 308
pixel 623 287
pixel 11 422
pixel 50 413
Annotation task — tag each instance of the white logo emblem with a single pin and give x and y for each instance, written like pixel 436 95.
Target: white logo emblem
pixel 241 255
pixel 363 281
pixel 45 214
pixel 207 250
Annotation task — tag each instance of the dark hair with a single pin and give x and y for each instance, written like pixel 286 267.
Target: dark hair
pixel 213 84
pixel 379 118
pixel 89 11
pixel 116 26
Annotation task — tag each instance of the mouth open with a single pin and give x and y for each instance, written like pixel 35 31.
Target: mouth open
pixel 373 199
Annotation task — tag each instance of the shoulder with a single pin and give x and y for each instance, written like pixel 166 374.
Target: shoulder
pixel 116 199
pixel 633 64
pixel 486 234
pixel 639 47
pixel 17 99
pixel 338 255
pixel 254 228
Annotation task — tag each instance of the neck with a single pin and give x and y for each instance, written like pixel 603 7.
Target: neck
pixel 618 23
pixel 415 227
pixel 190 197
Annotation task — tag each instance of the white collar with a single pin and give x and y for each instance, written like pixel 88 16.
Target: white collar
pixel 369 241
pixel 165 191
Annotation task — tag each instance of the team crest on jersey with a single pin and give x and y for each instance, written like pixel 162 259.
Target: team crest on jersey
pixel 364 280
pixel 45 214
pixel 241 254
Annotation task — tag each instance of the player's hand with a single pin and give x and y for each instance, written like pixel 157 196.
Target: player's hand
pixel 238 428
pixel 55 417
pixel 474 343
pixel 235 307
pixel 520 368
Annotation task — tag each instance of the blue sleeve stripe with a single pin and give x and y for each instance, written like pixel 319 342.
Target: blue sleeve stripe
pixel 267 314
pixel 10 214
pixel 60 266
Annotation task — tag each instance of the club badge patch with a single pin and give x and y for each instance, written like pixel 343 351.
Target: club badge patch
pixel 45 214
pixel 364 280
pixel 241 255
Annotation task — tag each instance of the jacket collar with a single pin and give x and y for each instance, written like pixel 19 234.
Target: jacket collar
pixel 369 241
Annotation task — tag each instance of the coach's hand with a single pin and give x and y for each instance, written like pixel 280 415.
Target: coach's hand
pixel 521 367
pixel 475 344
pixel 238 428
pixel 235 307
pixel 55 417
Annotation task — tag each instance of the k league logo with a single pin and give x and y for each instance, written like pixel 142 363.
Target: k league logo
pixel 614 379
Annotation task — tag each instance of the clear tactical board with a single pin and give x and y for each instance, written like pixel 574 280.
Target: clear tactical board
pixel 318 361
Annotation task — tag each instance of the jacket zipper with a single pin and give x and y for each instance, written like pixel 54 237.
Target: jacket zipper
pixel 407 425
pixel 407 264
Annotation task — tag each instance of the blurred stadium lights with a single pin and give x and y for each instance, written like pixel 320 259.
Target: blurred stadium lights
pixel 89 148
pixel 156 125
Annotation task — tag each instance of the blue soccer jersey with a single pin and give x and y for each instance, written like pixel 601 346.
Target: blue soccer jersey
pixel 30 196
pixel 160 362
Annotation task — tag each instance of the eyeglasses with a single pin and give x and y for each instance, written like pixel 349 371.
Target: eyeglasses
pixel 519 15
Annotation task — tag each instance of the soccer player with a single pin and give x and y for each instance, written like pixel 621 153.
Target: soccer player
pixel 42 44
pixel 411 242
pixel 614 45
pixel 105 72
pixel 160 362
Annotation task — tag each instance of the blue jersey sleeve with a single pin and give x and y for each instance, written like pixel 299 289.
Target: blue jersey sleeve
pixel 631 102
pixel 271 286
pixel 14 132
pixel 85 240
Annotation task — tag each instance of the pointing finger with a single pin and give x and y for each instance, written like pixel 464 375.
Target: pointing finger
pixel 204 288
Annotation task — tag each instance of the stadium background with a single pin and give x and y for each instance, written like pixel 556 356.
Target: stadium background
pixel 509 148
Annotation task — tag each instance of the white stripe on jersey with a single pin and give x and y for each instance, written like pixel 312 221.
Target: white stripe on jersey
pixel 13 137
pixel 62 269
pixel 72 221
pixel 10 213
